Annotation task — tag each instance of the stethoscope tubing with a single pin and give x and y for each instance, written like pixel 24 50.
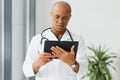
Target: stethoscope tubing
pixel 42 37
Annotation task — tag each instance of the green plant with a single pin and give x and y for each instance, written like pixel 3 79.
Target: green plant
pixel 99 64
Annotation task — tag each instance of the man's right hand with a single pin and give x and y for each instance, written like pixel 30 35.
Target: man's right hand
pixel 43 59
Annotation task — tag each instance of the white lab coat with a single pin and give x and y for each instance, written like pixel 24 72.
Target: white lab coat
pixel 56 69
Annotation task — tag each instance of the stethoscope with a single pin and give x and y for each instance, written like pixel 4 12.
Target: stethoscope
pixel 42 37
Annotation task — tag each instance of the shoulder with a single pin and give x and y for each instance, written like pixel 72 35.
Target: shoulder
pixel 76 36
pixel 36 38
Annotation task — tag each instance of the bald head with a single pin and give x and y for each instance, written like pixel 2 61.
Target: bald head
pixel 62 5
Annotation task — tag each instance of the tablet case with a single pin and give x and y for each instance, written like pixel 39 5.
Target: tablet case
pixel 66 45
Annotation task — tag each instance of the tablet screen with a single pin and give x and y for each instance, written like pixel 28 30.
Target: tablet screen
pixel 66 45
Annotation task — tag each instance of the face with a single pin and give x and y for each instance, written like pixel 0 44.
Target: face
pixel 60 18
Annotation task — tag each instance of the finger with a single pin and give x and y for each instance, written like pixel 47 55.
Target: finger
pixel 72 50
pixel 46 56
pixel 49 57
pixel 55 54
pixel 56 51
pixel 45 61
pixel 60 49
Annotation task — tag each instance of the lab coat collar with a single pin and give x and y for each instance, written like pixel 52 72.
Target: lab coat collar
pixel 50 35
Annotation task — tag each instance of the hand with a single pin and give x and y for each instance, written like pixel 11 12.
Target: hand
pixel 66 57
pixel 43 59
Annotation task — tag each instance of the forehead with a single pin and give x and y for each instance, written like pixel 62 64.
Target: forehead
pixel 61 9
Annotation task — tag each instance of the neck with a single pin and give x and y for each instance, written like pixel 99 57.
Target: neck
pixel 58 33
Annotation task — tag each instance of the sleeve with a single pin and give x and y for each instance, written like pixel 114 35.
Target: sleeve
pixel 82 58
pixel 31 56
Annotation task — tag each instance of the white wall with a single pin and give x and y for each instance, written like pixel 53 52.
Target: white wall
pixel 42 15
pixel 98 21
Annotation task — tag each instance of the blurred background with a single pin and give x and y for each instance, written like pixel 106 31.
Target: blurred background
pixel 98 22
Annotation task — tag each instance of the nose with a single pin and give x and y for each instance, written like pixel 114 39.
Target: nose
pixel 60 20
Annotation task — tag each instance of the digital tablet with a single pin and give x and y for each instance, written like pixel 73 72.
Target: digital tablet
pixel 66 45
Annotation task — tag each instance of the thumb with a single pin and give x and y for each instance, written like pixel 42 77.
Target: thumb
pixel 72 50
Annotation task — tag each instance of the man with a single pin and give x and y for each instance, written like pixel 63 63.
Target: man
pixel 42 64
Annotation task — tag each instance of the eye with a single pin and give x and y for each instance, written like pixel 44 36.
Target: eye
pixel 56 17
pixel 65 18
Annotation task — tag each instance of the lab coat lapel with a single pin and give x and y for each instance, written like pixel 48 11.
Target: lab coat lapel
pixel 66 36
pixel 49 35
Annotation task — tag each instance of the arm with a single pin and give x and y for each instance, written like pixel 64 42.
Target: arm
pixel 34 60
pixel 31 56
pixel 75 66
